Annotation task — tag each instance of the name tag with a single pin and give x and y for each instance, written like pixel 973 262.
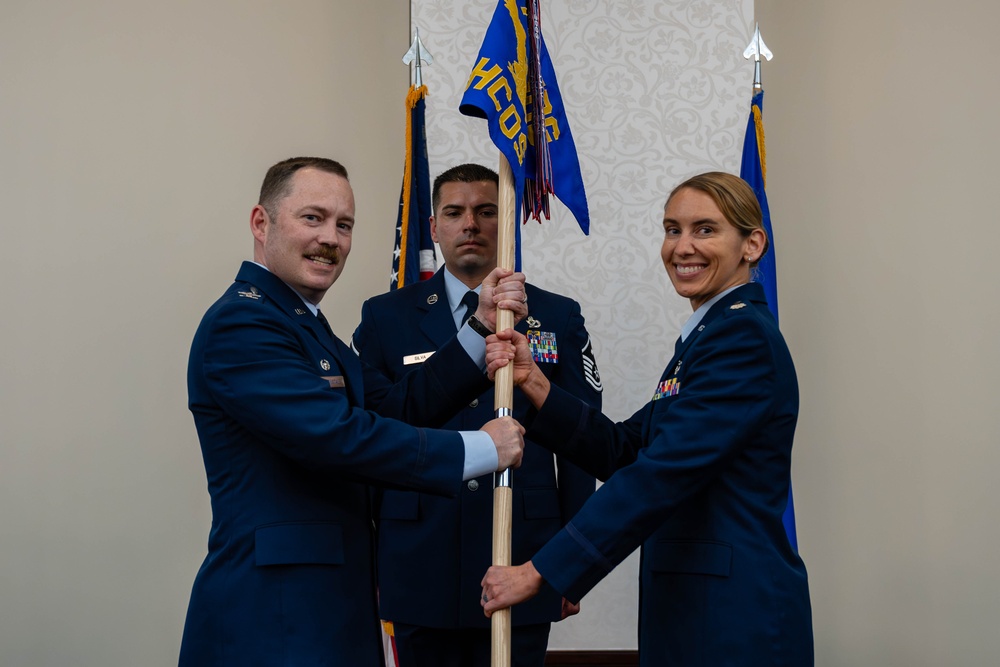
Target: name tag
pixel 336 381
pixel 411 359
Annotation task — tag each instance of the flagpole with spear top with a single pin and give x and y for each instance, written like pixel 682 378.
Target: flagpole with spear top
pixel 413 254
pixel 754 171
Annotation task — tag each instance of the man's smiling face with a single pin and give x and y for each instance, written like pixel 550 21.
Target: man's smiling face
pixel 307 241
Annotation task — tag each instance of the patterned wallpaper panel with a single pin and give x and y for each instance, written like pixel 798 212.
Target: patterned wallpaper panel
pixel 655 91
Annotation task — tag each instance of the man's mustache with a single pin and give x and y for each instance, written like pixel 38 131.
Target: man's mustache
pixel 331 254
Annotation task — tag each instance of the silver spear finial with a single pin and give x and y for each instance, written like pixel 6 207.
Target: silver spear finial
pixel 416 54
pixel 756 50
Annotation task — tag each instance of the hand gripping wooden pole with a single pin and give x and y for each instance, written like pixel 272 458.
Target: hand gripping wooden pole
pixel 503 404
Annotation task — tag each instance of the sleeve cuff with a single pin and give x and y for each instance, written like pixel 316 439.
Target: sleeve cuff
pixel 474 345
pixel 480 454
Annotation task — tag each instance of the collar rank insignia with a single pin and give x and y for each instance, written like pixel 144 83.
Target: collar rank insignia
pixel 543 346
pixel 533 323
pixel 669 387
pixel 737 305
pixel 432 299
pixel 252 294
pixel 324 364
pixel 299 311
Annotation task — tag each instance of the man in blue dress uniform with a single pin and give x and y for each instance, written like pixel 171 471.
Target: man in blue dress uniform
pixel 432 551
pixel 291 437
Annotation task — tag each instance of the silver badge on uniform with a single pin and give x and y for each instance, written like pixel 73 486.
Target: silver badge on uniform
pixel 252 294
pixel 324 364
pixel 533 323
pixel 432 299
pixel 299 311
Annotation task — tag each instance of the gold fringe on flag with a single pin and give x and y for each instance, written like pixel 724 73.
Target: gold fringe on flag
pixel 758 123
pixel 412 97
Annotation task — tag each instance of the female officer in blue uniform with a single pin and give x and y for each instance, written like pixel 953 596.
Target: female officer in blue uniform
pixel 698 477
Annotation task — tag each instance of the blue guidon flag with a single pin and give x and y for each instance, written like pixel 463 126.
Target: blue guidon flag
pixel 512 72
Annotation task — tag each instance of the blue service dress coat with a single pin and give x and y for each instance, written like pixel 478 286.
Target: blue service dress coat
pixel 434 551
pixel 699 477
pixel 282 410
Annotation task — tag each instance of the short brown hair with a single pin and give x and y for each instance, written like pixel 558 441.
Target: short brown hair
pixel 735 199
pixel 463 173
pixel 277 181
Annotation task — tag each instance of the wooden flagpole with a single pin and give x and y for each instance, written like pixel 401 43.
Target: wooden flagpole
pixel 503 404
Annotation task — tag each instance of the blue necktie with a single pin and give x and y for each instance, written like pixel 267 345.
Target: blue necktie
pixel 322 320
pixel 471 302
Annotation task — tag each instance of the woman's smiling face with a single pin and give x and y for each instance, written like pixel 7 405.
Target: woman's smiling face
pixel 704 254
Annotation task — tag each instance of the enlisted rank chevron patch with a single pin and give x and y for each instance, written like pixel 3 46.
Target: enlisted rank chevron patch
pixel 590 372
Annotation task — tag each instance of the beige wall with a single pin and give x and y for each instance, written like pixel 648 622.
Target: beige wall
pixel 882 142
pixel 133 138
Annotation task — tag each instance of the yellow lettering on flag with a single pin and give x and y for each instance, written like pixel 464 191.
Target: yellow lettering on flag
pixel 484 75
pixel 510 122
pixel 495 87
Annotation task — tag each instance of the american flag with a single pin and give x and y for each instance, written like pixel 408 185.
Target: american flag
pixel 413 257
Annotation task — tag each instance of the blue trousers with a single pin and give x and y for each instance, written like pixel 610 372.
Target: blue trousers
pixel 466 647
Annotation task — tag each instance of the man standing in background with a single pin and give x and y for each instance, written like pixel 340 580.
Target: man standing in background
pixel 433 551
